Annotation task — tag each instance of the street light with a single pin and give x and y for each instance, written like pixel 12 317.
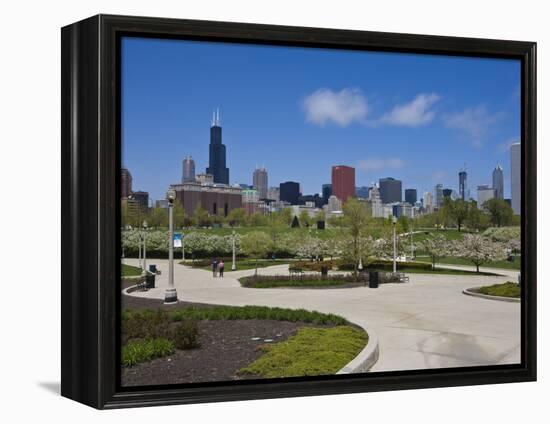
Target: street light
pixel 144 248
pixel 233 265
pixel 360 266
pixel 394 222
pixel 171 295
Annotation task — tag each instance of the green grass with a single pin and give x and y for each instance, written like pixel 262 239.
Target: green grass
pixel 242 264
pixel 137 351
pixel 507 289
pixel 450 234
pixel 444 271
pixel 312 351
pixel 242 312
pixel 130 271
pixel 516 264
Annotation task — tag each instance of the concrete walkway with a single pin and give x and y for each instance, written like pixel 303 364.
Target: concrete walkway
pixel 427 323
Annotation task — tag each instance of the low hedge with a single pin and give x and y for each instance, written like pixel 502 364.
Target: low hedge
pixel 508 289
pixel 266 281
pixel 241 312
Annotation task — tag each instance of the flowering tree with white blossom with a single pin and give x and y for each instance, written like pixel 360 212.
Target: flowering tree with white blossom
pixel 436 246
pixel 479 250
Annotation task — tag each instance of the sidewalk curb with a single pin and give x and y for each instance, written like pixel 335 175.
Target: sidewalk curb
pixel 471 292
pixel 366 358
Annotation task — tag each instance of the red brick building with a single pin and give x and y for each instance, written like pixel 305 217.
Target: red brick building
pixel 343 182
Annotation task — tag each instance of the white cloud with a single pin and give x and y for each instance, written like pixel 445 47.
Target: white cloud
pixel 340 107
pixel 475 122
pixel 505 147
pixel 377 164
pixel 413 114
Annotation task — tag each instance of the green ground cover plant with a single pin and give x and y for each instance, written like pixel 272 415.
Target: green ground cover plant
pixel 137 351
pixel 508 289
pixel 312 351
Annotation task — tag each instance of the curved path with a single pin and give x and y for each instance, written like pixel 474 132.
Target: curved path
pixel 427 323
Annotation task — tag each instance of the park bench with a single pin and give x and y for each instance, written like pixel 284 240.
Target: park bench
pixel 295 271
pixel 142 285
pixel 400 277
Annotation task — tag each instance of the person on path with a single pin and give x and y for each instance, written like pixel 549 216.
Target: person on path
pixel 221 267
pixel 214 268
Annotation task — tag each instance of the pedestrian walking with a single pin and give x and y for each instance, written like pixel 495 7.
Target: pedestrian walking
pixel 221 267
pixel 214 268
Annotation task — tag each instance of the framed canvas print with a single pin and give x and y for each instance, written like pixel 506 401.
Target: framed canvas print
pixel 255 211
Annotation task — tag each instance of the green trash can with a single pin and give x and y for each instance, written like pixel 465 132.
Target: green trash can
pixel 150 280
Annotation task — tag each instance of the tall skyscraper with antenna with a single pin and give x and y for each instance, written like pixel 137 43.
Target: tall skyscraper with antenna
pixel 463 184
pixel 217 152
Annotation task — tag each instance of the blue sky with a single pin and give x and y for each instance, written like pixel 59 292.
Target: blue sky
pixel 297 111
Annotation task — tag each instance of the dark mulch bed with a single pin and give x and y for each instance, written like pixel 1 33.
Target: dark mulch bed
pixel 226 347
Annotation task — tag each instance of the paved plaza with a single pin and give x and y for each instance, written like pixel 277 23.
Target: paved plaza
pixel 426 323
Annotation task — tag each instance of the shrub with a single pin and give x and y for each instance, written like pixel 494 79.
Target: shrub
pixel 186 335
pixel 264 281
pixel 137 351
pixel 146 325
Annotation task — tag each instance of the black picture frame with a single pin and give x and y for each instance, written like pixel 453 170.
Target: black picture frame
pixel 91 153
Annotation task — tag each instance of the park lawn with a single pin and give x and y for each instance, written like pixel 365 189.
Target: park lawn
pixel 242 264
pixel 130 271
pixel 508 289
pixel 312 351
pixel 443 271
pixel 516 264
pixel 450 234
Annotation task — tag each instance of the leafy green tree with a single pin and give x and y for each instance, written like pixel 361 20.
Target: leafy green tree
pixel 236 217
pixel 356 218
pixel 179 215
pixel 201 216
pixel 500 212
pixel 305 220
pixel 403 223
pixel 257 219
pixel 256 245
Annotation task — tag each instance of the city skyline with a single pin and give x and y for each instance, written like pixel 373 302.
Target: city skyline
pixel 407 124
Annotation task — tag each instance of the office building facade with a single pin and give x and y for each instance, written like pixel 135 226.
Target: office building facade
pixel 215 199
pixel 326 191
pixel 273 194
pixel 515 177
pixel 188 170
pixel 259 182
pixel 289 191
pixel 484 193
pixel 125 183
pixel 498 182
pixel 390 190
pixel 343 182
pixel 438 196
pixel 410 196
pixel 463 185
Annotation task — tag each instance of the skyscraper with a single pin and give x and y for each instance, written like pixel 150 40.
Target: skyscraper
pixel 362 192
pixel 410 196
pixel 463 185
pixel 327 192
pixel 498 182
pixel 188 170
pixel 125 183
pixel 484 193
pixel 427 202
pixel 343 182
pixel 390 190
pixel 515 176
pixel 259 182
pixel 438 195
pixel 289 192
pixel 217 152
